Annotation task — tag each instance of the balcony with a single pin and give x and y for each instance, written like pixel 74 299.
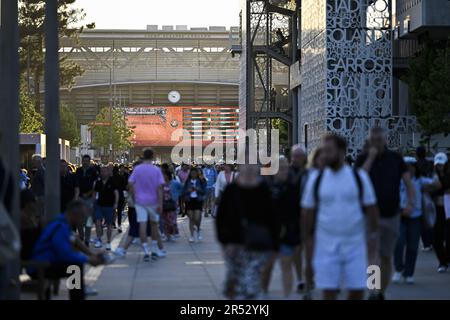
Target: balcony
pixel 416 18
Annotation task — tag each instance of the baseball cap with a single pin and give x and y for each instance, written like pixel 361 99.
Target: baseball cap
pixel 440 158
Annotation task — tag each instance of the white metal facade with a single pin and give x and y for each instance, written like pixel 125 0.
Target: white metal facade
pixel 346 72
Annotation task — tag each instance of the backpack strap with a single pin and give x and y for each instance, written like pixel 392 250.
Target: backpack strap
pixel 316 189
pixel 360 187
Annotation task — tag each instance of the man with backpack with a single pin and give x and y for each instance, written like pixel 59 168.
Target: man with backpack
pixel 337 202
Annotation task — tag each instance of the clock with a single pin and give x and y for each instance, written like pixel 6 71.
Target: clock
pixel 174 96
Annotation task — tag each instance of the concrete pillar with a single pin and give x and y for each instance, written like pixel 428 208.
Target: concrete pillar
pixel 9 130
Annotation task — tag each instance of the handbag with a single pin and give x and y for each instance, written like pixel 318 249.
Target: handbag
pixel 9 235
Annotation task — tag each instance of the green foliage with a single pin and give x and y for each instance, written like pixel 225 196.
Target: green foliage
pixel 429 84
pixel 121 133
pixel 32 44
pixel 283 128
pixel 69 129
pixel 31 121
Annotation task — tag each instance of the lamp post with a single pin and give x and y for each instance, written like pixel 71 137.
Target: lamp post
pixel 52 181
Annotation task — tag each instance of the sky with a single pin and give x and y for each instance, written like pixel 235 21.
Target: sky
pixel 137 14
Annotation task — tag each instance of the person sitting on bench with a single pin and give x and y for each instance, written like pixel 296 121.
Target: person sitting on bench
pixel 58 246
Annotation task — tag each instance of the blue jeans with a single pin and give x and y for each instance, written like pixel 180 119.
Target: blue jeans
pixel 407 246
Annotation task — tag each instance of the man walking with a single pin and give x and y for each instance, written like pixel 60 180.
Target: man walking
pixel 386 169
pixel 86 176
pixel 107 201
pixel 210 174
pixel 146 189
pixel 336 203
pixel 69 185
pixel 297 176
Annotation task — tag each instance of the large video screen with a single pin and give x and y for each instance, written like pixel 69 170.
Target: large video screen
pixel 154 126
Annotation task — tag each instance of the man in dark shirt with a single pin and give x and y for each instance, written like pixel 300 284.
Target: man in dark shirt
pixel 121 181
pixel 86 176
pixel 69 185
pixel 386 169
pixel 107 201
pixel 297 174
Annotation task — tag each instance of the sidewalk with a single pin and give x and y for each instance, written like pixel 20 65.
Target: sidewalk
pixel 196 271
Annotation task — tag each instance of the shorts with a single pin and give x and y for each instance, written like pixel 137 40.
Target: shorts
pixel 194 204
pixel 133 231
pixel 389 231
pixel 106 213
pixel 286 250
pixel 344 266
pixel 144 212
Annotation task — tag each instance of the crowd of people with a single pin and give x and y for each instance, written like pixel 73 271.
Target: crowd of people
pixel 327 219
pixel 324 218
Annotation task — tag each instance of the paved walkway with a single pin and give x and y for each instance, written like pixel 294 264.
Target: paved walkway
pixel 196 271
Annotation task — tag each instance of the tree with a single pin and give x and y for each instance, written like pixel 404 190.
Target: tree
pixel 429 84
pixel 121 133
pixel 31 121
pixel 283 127
pixel 32 55
pixel 69 126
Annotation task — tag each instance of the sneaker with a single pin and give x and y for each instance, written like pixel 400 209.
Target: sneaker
pixel 160 253
pixel 397 277
pixel 89 291
pixel 120 252
pixel 427 249
pixel 300 286
pixel 146 257
pixel 195 235
pixel 409 280
pixel 135 241
pixel 191 239
pixel 163 237
pixel 442 269
pixel 199 236
pixel 108 247
pixel 98 244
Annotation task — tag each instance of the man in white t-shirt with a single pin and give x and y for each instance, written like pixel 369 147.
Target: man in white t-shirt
pixel 336 204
